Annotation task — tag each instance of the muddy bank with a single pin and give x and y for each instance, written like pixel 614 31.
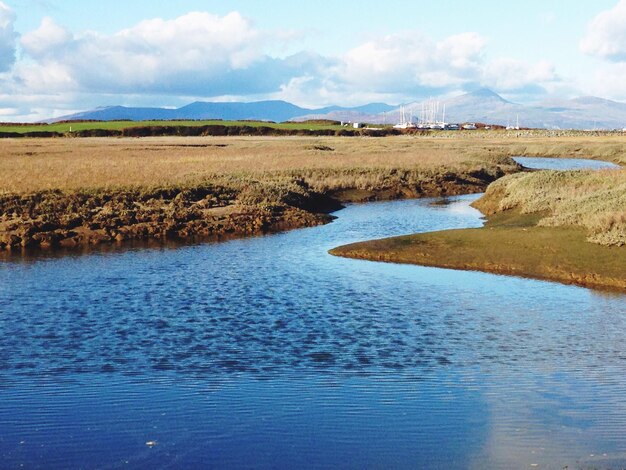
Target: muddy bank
pixel 53 219
pixel 404 185
pixel 226 208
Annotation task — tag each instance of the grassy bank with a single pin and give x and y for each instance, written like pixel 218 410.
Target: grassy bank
pixel 510 244
pixel 564 226
pixel 97 190
pixel 594 201
pixel 190 129
pixel 326 163
pixel 69 192
pixel 79 126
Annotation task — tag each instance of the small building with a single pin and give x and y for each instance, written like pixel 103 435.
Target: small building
pixel 357 125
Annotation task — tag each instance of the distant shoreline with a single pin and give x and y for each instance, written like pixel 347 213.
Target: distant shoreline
pixel 221 128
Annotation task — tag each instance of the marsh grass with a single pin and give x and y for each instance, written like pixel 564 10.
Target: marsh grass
pixel 29 165
pixel 593 200
pixel 510 244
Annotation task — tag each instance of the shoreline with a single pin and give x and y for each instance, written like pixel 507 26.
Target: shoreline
pixel 72 193
pixel 542 235
pixel 464 249
pixel 52 220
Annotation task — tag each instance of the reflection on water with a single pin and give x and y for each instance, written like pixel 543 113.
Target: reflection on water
pixel 268 352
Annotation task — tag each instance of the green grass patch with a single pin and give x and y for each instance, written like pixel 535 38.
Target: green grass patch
pixel 65 127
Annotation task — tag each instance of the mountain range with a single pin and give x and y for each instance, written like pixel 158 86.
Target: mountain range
pixel 482 105
pixel 277 111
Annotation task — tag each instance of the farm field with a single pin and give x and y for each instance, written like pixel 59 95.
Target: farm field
pixel 64 127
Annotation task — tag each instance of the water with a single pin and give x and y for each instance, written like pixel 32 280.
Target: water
pixel 269 353
pixel 564 163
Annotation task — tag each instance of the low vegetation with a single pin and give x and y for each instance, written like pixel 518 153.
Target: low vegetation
pixel 325 163
pixel 511 243
pixel 592 200
pixel 78 127
pixel 540 224
pixel 74 192
pixel 56 192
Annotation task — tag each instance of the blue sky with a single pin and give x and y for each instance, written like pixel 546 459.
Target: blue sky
pixel 59 56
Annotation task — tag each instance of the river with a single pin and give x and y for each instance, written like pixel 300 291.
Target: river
pixel 267 352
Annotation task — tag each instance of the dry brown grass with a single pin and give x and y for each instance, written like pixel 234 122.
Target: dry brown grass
pixel 28 165
pixel 594 200
pixel 606 147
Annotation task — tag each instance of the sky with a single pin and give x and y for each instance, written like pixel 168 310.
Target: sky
pixel 63 56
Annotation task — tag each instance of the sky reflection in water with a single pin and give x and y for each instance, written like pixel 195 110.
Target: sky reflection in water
pixel 268 352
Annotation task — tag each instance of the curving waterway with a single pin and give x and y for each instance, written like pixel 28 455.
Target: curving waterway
pixel 269 353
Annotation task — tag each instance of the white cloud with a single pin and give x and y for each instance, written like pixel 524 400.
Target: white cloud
pixel 205 56
pixel 44 77
pixel 462 51
pixel 193 51
pixel 48 38
pixel 410 65
pixel 607 80
pixel 606 34
pixel 410 61
pixel 7 37
pixel 510 74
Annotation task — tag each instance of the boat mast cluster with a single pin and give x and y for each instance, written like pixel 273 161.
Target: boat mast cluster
pixel 432 116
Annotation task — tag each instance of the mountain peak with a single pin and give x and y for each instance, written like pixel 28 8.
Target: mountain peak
pixel 478 98
pixel 485 93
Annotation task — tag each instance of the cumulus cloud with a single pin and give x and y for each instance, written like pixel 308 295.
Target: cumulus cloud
pixel 607 80
pixel 197 52
pixel 606 34
pixel 514 75
pixel 44 41
pixel 409 61
pixel 7 37
pixel 200 54
pixel 411 64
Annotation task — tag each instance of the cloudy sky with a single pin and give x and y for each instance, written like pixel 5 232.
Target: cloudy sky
pixel 61 56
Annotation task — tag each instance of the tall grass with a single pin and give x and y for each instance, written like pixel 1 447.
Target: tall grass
pixel 595 200
pixel 29 165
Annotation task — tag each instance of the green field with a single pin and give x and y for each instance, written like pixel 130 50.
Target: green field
pixel 120 125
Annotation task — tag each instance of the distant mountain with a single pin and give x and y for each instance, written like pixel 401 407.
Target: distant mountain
pixel 260 110
pixel 483 105
pixel 486 106
pixel 113 113
pixel 367 113
pixel 276 110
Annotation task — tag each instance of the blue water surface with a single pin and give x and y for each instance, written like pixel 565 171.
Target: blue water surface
pixel 267 352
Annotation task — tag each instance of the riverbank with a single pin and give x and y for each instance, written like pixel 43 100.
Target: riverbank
pixel 68 192
pixel 568 227
pixel 78 192
pixel 515 248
